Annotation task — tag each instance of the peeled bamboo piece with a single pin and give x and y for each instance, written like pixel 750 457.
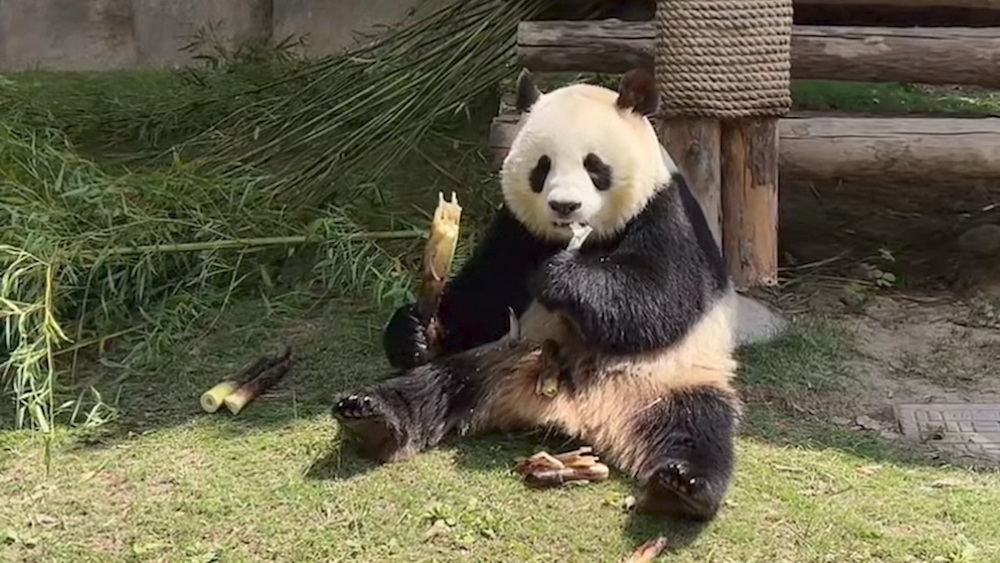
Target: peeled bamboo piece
pixel 567 476
pixel 648 551
pixel 212 399
pixel 582 457
pixel 576 467
pixel 439 253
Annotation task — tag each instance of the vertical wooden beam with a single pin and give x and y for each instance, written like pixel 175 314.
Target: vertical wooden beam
pixel 750 201
pixel 694 144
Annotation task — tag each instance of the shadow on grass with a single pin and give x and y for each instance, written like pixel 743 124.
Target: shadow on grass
pixel 337 349
pixel 334 347
pixel 496 453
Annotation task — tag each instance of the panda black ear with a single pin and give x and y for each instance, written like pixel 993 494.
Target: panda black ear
pixel 527 92
pixel 637 92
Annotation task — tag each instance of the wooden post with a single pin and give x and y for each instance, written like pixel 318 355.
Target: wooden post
pixel 721 93
pixel 750 200
pixel 695 144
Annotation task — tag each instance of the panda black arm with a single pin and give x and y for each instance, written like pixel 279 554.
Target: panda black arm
pixel 474 305
pixel 473 308
pixel 650 288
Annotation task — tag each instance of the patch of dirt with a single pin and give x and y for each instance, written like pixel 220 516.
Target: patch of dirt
pixel 927 352
pixel 927 228
pixel 907 349
pixel 107 544
pixel 911 349
pixel 914 271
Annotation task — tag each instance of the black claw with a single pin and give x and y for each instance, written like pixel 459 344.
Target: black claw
pixel 677 476
pixel 357 407
pixel 405 339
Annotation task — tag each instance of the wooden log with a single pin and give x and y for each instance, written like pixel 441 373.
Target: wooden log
pixel 984 4
pixel 880 15
pixel 914 55
pixel 922 150
pixel 694 146
pixel 610 46
pixel 750 201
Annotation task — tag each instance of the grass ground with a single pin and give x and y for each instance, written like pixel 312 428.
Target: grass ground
pixel 163 481
pixel 166 482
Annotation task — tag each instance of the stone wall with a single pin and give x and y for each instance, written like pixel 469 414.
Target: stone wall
pixel 115 34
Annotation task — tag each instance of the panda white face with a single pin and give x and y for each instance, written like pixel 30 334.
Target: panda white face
pixel 573 189
pixel 583 155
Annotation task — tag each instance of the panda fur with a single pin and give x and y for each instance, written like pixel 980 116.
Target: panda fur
pixel 637 322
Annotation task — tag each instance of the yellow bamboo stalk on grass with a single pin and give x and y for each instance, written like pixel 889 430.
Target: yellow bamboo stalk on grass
pixel 236 391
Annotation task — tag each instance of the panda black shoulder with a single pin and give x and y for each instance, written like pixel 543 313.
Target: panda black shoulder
pixel 674 225
pixel 703 234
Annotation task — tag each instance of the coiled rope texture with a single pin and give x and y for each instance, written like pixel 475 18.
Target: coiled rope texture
pixel 723 58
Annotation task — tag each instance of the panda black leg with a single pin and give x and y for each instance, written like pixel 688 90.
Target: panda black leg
pixel 405 415
pixel 688 469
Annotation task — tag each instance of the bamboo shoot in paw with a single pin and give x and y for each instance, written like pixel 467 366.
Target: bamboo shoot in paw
pixel 438 257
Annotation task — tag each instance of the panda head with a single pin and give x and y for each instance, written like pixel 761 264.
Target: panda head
pixel 584 154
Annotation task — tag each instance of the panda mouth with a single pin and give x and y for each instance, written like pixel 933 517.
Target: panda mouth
pixel 568 224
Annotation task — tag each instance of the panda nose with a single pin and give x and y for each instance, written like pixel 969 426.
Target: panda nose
pixel 564 208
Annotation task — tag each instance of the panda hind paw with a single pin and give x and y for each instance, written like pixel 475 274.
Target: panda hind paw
pixel 675 489
pixel 358 407
pixel 677 476
pixel 367 421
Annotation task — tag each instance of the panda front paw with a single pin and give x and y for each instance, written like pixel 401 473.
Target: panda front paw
pixel 405 339
pixel 548 285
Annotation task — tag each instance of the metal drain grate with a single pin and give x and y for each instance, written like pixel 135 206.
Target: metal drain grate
pixel 964 428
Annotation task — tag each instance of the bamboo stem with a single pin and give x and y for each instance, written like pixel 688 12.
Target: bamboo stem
pixel 436 269
pixel 93 341
pixel 261 241
pixel 258 385
pixel 218 395
pixel 439 254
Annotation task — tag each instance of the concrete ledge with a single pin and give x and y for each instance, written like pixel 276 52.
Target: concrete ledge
pixel 67 34
pixel 115 34
pixel 164 27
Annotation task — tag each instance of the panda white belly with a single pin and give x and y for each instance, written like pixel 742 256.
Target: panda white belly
pixel 617 389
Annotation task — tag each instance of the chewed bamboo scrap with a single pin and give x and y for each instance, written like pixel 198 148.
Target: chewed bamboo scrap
pixel 438 257
pixel 648 551
pixel 571 468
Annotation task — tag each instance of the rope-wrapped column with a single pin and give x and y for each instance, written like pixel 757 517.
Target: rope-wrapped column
pixel 722 67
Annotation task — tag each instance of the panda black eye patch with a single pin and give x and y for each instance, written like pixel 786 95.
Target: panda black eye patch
pixel 600 173
pixel 538 174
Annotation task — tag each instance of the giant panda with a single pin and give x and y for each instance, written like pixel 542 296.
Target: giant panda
pixel 600 268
